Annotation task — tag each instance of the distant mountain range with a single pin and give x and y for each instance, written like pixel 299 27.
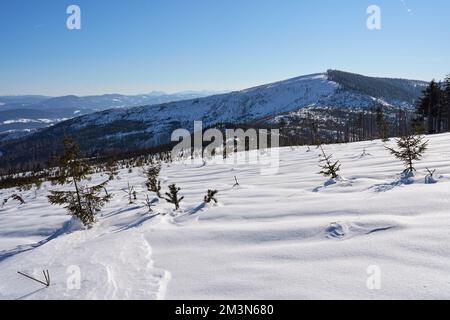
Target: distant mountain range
pixel 19 113
pixel 141 127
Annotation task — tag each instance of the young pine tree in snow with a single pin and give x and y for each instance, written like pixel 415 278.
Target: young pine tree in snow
pixel 84 201
pixel 410 148
pixel 329 169
pixel 172 196
pixel 211 196
pixel 153 184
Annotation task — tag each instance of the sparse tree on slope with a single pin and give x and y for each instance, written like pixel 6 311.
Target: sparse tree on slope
pixel 211 196
pixel 85 201
pixel 172 196
pixel 409 149
pixel 153 184
pixel 329 169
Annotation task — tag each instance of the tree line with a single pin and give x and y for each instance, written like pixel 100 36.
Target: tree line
pixel 433 108
pixel 430 115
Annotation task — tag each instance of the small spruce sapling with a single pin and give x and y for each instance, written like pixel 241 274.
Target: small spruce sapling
pixel 84 202
pixel 211 196
pixel 410 148
pixel 172 196
pixel 153 184
pixel 329 169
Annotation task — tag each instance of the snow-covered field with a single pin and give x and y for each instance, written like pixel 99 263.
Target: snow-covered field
pixel 283 236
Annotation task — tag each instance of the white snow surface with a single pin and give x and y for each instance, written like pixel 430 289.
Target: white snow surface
pixel 291 235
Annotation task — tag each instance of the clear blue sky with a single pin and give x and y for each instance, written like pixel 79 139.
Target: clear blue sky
pixel 136 46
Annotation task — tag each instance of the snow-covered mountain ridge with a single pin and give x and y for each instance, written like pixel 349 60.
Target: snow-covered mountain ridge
pixel 252 104
pixel 150 126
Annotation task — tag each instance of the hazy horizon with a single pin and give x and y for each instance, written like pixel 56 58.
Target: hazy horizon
pixel 212 92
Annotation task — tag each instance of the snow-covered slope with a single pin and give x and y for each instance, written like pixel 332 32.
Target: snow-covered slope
pixel 244 106
pixel 282 236
pixel 136 128
pixel 241 106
